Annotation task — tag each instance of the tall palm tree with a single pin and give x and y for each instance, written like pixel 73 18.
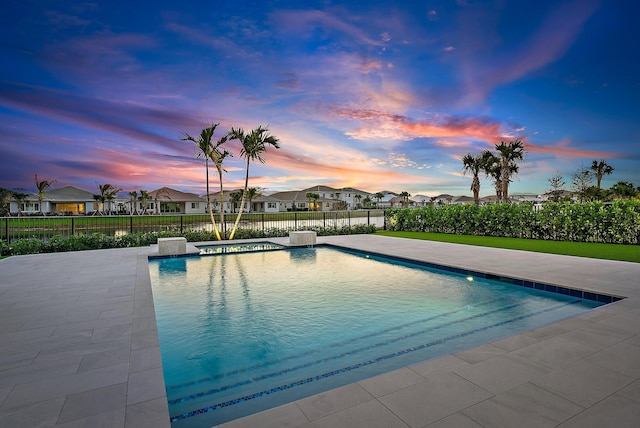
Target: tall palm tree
pixel 107 194
pixel 510 153
pixel 203 150
pixel 133 198
pixel 42 187
pixel 254 145
pixel 145 197
pixel 379 197
pixel 358 196
pixel 252 193
pixel 235 196
pixel 473 164
pixel 217 155
pixel 492 169
pixel 600 168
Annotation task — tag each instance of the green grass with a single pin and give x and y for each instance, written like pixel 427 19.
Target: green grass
pixel 626 253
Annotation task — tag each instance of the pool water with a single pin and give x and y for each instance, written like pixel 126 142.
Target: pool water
pixel 240 333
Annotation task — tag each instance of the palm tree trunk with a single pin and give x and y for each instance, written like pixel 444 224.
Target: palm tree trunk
pixel 244 199
pixel 209 207
pixel 223 225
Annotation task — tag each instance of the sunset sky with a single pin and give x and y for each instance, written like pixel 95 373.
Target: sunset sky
pixel 376 95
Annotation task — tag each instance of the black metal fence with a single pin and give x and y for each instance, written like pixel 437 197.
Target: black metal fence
pixel 45 227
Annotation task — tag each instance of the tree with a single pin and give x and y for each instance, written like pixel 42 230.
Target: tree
pixel 510 153
pixel 405 199
pixel 556 183
pixel 235 196
pixel 42 187
pixel 217 154
pixel 252 193
pixel 623 190
pixel 473 164
pixel 20 197
pixel 581 180
pixel 492 169
pixel 366 202
pixel 379 197
pixel 358 196
pixel 144 199
pixel 254 145
pixel 313 198
pixel 204 146
pixel 107 193
pixel 600 168
pixel 133 199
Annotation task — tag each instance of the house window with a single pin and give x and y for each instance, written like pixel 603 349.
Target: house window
pixel 195 205
pixel 302 204
pixel 271 204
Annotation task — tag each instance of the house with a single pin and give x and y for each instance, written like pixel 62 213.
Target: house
pixel 461 200
pixel 68 200
pixel 420 200
pixel 170 201
pixel 296 200
pixel 265 204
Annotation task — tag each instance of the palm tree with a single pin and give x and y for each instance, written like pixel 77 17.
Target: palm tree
pixel 473 163
pixel 254 144
pixel 510 154
pixel 133 198
pixel 492 169
pixel 42 187
pixel 235 196
pixel 252 193
pixel 203 150
pixel 600 168
pixel 20 197
pixel 145 197
pixel 405 199
pixel 379 197
pixel 217 155
pixel 358 196
pixel 311 196
pixel 107 194
pixel 367 202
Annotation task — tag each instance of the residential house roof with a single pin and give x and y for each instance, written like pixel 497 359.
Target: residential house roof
pixel 64 194
pixel 173 195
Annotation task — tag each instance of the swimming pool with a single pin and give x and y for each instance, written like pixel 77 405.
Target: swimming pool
pixel 241 333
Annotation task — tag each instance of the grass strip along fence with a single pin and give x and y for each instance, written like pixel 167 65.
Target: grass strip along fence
pixel 32 235
pixel 614 223
pixel 620 252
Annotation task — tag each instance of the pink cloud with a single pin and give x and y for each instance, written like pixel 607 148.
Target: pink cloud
pixel 564 149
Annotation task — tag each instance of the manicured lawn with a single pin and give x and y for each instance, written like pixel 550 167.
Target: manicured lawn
pixel 627 253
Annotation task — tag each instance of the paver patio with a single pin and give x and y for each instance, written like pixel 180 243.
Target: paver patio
pixel 79 347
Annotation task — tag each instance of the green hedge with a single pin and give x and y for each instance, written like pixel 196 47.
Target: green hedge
pixel 96 241
pixel 617 222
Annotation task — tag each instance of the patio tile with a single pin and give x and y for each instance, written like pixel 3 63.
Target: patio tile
pixel 150 414
pixel 457 420
pixel 632 391
pixel 570 383
pixel 371 414
pixel 288 415
pixel 111 333
pixel 515 342
pixel 62 386
pixel 557 351
pixel 435 398
pixel 110 419
pixel 480 353
pixel 145 359
pixel 444 364
pixel 391 382
pixel 623 358
pixel 524 406
pixel 614 411
pixel 20 359
pixel 97 360
pixel 502 373
pixel 43 414
pixel 93 402
pixel 145 386
pixel 144 339
pixel 333 401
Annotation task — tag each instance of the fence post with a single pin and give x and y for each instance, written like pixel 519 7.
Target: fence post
pixel 262 222
pixel 181 217
pixel 349 217
pixel 131 224
pixel 73 227
pixel 368 217
pixel 295 220
pixel 384 219
pixel 6 229
pixel 324 220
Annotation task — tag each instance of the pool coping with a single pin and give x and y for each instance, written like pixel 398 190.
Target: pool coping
pixel 605 340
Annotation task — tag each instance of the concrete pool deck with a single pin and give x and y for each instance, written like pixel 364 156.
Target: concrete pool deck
pixel 79 347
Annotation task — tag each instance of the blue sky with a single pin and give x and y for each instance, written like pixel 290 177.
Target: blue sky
pixel 376 95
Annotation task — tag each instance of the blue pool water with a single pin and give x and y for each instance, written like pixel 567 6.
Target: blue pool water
pixel 240 333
